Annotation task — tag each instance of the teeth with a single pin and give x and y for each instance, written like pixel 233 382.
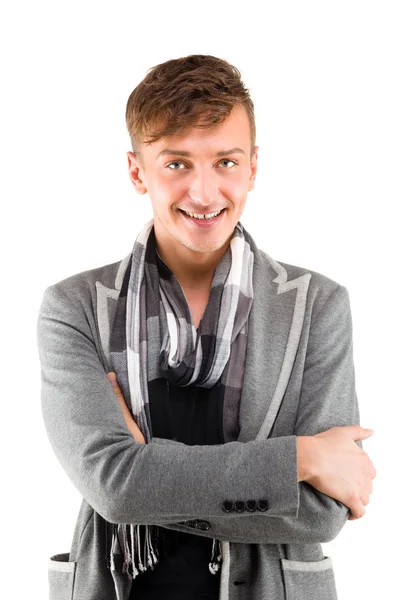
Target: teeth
pixel 206 217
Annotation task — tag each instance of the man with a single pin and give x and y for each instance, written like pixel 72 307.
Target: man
pixel 200 394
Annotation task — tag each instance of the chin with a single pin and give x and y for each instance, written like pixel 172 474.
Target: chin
pixel 203 247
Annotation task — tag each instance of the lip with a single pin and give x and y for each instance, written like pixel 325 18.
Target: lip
pixel 203 223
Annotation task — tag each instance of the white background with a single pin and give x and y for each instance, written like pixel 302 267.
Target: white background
pixel 324 77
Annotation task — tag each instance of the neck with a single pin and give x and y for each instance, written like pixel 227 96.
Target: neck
pixel 193 270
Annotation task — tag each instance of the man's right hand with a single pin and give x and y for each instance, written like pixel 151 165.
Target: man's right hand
pixel 332 463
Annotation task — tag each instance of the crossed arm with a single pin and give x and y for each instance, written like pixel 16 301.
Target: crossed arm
pixel 166 482
pixel 329 373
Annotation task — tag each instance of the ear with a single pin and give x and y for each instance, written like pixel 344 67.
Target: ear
pixel 135 170
pixel 253 168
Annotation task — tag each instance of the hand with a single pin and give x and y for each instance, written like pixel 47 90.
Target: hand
pixel 331 462
pixel 133 428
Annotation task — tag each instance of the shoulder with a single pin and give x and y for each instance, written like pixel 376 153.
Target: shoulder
pixel 321 289
pixel 80 289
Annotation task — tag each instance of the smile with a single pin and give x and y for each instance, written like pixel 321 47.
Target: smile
pixel 203 216
pixel 203 221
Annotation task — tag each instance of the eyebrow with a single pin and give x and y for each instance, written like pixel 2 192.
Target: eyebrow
pixel 188 154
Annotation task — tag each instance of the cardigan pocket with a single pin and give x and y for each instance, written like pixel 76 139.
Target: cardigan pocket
pixel 313 580
pixel 61 574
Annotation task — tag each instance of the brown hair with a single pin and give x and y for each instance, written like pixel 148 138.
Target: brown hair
pixel 193 91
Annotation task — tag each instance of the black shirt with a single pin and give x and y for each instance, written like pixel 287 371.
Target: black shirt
pixel 193 415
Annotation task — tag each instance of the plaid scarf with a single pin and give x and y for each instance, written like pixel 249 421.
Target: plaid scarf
pixel 153 319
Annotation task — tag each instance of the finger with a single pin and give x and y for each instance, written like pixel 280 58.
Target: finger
pixel 371 475
pixel 357 511
pixel 137 434
pixel 114 382
pixel 359 433
pixel 117 390
pixel 112 376
pixel 355 517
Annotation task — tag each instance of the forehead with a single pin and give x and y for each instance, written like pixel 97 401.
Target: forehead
pixel 233 132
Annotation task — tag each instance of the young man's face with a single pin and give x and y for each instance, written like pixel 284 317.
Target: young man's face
pixel 203 171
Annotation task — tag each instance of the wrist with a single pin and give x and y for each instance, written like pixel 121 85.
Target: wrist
pixel 305 454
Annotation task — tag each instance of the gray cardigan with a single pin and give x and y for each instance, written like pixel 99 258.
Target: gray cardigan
pixel 299 380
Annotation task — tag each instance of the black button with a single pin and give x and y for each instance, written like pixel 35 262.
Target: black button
pixel 203 525
pixel 192 523
pixel 238 582
pixel 251 505
pixel 227 506
pixel 240 506
pixel 262 505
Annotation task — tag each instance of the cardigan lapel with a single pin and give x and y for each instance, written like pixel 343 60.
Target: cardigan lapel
pixel 106 306
pixel 275 326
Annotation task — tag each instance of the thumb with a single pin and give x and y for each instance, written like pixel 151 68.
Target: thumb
pixel 359 433
pixel 112 377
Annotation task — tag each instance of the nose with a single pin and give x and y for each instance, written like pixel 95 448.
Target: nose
pixel 203 187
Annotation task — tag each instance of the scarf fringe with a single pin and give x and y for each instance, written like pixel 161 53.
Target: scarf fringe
pixel 216 559
pixel 131 550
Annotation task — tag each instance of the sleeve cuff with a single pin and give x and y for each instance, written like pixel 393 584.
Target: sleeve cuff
pixel 284 494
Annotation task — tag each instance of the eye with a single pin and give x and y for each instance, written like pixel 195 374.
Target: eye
pixel 174 165
pixel 224 162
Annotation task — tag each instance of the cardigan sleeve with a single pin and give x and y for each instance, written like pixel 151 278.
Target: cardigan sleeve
pixel 328 399
pixel 126 481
